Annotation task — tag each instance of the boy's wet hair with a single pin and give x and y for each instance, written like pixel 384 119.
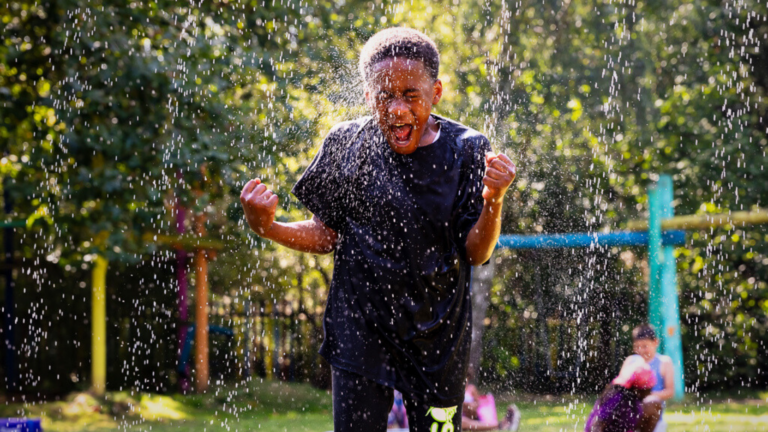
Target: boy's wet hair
pixel 643 332
pixel 400 42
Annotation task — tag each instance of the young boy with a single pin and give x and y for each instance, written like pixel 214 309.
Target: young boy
pixel 408 201
pixel 645 344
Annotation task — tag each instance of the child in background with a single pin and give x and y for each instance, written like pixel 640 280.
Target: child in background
pixel 645 344
pixel 620 407
pixel 479 412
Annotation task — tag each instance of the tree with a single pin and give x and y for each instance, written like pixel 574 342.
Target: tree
pixel 112 112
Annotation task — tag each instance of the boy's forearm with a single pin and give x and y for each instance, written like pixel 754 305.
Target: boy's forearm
pixel 311 236
pixel 483 236
pixel 669 389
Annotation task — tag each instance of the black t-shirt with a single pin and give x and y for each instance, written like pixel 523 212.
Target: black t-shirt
pixel 399 307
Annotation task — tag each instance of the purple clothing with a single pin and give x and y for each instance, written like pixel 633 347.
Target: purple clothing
pixel 618 408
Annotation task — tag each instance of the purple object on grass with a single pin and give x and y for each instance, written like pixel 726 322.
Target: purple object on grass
pixel 618 409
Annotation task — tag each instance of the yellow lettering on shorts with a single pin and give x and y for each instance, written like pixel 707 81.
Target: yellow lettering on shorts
pixel 442 416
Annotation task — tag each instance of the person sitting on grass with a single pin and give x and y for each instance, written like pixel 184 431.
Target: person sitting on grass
pixel 620 407
pixel 407 200
pixel 645 344
pixel 479 411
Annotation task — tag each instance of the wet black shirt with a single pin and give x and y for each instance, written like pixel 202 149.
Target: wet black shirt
pixel 398 310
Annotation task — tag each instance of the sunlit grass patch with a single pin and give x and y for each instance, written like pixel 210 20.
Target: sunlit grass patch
pixel 719 417
pixel 569 413
pixel 154 407
pixel 274 406
pixel 547 414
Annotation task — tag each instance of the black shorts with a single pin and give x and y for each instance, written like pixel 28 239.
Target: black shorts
pixel 362 405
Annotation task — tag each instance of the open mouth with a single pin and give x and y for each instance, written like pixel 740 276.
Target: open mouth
pixel 402 133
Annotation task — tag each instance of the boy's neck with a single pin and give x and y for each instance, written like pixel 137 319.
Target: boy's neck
pixel 430 132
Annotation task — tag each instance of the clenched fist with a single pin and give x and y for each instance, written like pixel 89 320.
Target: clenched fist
pixel 499 174
pixel 259 204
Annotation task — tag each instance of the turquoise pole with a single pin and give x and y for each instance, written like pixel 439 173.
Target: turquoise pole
pixel 664 310
pixel 655 258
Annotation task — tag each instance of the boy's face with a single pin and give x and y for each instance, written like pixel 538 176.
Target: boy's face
pixel 645 348
pixel 400 93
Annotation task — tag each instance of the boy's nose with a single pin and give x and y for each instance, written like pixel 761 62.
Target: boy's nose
pixel 397 107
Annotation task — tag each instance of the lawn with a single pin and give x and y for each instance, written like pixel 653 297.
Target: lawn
pixel 549 414
pixel 279 406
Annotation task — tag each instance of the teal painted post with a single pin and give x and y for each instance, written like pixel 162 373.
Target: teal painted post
pixel 664 310
pixel 655 258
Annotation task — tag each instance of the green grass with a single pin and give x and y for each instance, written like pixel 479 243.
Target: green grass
pixel 718 414
pixel 277 406
pixel 268 406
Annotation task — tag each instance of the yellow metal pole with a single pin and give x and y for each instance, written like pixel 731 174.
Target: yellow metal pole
pixel 99 326
pixel 735 219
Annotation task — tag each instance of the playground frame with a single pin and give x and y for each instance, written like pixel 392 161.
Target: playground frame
pixel 661 239
pixel 661 233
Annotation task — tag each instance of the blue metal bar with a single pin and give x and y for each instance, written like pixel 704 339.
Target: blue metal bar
pixel 621 238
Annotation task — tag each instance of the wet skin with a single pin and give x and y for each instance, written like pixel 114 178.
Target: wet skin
pixel 400 94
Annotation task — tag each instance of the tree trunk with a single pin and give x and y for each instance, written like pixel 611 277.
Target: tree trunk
pixel 482 277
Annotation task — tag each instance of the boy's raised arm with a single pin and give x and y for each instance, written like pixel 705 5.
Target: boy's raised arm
pixel 259 204
pixel 499 174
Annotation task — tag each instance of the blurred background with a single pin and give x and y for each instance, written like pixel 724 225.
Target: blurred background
pixel 129 128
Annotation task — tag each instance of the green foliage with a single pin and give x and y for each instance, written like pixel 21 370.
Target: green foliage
pixel 594 100
pixel 115 115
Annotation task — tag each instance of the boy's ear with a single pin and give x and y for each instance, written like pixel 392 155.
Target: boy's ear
pixel 368 100
pixel 438 88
